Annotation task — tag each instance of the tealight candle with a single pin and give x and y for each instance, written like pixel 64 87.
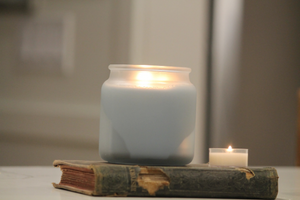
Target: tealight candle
pixel 228 157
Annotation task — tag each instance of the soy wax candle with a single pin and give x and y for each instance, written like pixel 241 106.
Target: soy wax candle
pixel 228 157
pixel 147 115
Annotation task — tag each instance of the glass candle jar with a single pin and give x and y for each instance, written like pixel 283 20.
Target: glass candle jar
pixel 147 115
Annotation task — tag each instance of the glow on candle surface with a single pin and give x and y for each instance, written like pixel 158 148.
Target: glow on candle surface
pixel 228 157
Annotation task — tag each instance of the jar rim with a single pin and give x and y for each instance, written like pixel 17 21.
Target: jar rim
pixel 148 67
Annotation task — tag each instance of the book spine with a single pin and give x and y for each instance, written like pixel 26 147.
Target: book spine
pixel 122 180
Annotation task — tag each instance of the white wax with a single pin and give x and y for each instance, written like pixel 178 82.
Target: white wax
pixel 228 159
pixel 147 122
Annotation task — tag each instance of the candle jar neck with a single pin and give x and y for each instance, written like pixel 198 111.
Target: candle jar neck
pixel 149 74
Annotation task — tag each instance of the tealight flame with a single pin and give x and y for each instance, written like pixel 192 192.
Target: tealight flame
pixel 229 148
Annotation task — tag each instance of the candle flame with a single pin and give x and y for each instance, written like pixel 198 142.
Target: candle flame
pixel 146 79
pixel 229 148
pixel 144 76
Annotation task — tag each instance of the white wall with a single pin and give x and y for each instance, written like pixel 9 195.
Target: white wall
pixel 45 117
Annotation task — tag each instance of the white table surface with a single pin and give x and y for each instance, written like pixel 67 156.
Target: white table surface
pixel 35 183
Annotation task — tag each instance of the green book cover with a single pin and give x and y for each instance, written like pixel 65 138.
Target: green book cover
pixel 106 179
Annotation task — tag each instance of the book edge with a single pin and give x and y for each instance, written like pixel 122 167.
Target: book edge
pixel 70 188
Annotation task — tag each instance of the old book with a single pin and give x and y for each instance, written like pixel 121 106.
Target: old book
pixel 105 179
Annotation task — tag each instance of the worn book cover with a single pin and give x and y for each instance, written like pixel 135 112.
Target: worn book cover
pixel 105 179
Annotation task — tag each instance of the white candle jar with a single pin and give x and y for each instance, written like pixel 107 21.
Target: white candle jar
pixel 147 115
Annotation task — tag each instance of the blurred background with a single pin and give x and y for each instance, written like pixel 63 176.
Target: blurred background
pixel 244 56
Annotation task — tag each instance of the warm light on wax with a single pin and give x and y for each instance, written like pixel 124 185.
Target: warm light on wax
pixel 144 76
pixel 150 76
pixel 147 79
